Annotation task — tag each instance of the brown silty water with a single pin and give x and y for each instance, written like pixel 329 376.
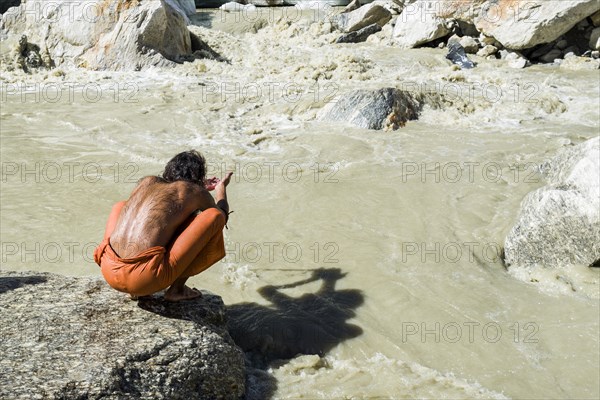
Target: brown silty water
pixel 373 254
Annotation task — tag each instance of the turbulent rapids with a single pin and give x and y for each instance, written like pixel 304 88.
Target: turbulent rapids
pixel 403 228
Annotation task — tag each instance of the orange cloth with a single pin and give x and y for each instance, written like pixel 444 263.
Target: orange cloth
pixel 197 245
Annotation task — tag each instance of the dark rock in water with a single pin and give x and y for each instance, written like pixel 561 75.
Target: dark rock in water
pixel 360 35
pixel 387 108
pixel 6 4
pixel 456 54
pixel 76 338
pixel 559 224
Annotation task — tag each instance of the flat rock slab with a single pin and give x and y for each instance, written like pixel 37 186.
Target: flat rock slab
pixel 76 338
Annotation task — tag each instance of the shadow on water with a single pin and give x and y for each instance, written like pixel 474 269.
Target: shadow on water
pixel 14 282
pixel 313 323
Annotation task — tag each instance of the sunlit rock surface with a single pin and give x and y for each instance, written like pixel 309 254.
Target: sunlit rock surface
pixel 76 338
pixel 559 224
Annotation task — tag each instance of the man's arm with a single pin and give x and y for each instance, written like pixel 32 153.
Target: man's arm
pixel 221 194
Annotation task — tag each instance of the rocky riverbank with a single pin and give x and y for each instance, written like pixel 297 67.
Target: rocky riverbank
pixel 74 338
pixel 134 35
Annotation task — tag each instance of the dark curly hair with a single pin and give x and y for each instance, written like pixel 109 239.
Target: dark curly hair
pixel 187 166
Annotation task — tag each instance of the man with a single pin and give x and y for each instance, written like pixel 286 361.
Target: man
pixel 157 240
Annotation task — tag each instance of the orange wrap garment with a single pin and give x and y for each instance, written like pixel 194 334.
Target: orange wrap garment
pixel 199 245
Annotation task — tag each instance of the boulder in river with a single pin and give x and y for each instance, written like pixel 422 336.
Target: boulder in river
pixel 359 36
pixel 76 338
pixel 559 224
pixel 525 24
pixel 387 108
pixel 361 18
pixel 418 24
pixel 516 25
pixel 104 35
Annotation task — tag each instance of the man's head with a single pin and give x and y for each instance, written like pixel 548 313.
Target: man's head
pixel 188 166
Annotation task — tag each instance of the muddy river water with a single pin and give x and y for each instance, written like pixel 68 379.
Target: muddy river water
pixel 375 254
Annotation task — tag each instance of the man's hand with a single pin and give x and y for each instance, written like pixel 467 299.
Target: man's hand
pixel 211 183
pixel 225 180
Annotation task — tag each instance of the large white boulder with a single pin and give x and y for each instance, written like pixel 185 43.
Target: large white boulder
pixel 420 23
pixel 559 224
pixel 525 24
pixel 362 17
pixel 103 34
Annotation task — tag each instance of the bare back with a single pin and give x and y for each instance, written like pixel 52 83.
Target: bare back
pixel 153 213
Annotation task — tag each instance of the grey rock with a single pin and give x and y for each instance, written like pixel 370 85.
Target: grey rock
pixel 353 5
pixel 470 45
pixel 595 39
pixel 596 18
pixel 562 44
pixel 551 56
pixel 572 49
pixel 124 36
pixel 360 35
pixel 541 51
pixel 362 17
pixel 419 24
pixel 487 51
pixel 76 338
pixel 387 108
pixel 559 224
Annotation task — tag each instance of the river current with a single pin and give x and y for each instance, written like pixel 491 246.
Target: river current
pixel 374 254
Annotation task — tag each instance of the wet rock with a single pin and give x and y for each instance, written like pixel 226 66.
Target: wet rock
pixel 418 24
pixel 540 51
pixel 523 25
pixel 76 338
pixel 596 18
pixel 595 39
pixel 360 35
pixel 572 49
pixel 354 5
pixel 559 224
pixel 487 51
pixel 126 35
pixel 361 18
pixel 551 56
pixel 456 54
pixel 386 108
pixel 470 45
pixel 562 44
pixel 27 56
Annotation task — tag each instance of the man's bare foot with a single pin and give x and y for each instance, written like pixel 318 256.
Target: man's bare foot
pixel 178 294
pixel 134 297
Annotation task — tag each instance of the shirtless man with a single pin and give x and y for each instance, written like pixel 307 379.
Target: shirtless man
pixel 157 239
